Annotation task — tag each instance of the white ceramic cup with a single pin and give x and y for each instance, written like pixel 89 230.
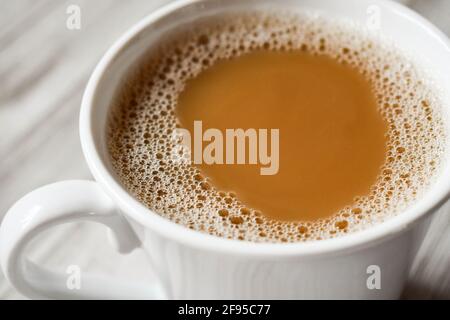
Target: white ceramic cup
pixel 195 265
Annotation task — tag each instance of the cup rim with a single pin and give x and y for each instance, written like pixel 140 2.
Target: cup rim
pixel 166 228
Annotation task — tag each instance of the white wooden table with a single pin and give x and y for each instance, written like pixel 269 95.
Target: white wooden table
pixel 44 67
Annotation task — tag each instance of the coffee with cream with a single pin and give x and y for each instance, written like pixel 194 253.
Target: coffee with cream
pixel 347 128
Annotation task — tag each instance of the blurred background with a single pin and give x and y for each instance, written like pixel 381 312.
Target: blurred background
pixel 44 67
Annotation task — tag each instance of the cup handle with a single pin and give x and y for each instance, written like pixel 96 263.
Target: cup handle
pixel 54 204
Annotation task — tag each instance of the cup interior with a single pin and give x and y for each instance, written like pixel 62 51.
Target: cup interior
pixel 411 32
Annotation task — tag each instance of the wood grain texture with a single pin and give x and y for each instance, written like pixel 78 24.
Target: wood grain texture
pixel 44 68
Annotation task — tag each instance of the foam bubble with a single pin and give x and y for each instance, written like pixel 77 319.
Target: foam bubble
pixel 143 122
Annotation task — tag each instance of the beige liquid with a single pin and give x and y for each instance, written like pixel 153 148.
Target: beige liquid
pixel 332 136
pixel 360 129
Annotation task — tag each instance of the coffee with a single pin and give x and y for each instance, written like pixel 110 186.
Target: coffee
pixel 360 131
pixel 332 139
